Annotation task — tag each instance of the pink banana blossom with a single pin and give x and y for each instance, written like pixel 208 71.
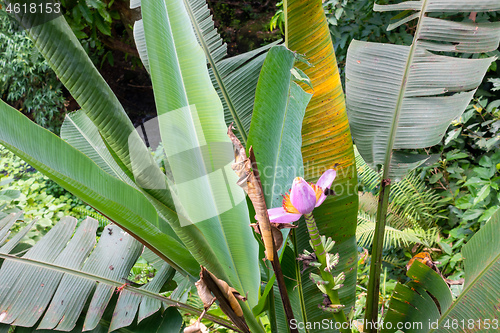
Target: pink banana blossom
pixel 302 198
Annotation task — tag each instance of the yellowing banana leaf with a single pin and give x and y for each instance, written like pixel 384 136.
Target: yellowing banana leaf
pixel 326 144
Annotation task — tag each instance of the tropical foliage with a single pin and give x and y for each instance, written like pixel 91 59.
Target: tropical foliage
pixel 410 112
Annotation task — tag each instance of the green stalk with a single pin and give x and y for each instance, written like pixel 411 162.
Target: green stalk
pixel 272 311
pixel 320 252
pixel 298 275
pixel 371 314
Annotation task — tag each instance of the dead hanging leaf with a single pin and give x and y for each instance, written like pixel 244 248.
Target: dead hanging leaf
pixel 424 258
pixel 227 297
pixel 204 293
pixel 246 168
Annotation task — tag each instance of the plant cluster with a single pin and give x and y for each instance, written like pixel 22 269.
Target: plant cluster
pixel 189 209
pixel 22 188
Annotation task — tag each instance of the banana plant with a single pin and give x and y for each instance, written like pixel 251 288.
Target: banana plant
pixel 103 160
pixel 404 97
pixel 326 144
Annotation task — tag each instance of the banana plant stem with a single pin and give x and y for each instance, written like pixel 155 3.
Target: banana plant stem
pixel 320 252
pixel 372 298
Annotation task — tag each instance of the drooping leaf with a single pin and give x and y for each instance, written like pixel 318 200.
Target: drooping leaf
pixel 326 144
pixel 49 285
pixel 404 97
pixel 77 173
pixel 63 296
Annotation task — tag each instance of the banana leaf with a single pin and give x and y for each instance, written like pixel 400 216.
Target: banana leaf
pixel 235 78
pixel 66 281
pixel 279 109
pixel 425 304
pixel 224 247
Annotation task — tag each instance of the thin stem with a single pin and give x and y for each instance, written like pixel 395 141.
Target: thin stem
pixel 320 252
pixel 298 275
pixel 283 292
pixel 272 311
pixel 372 297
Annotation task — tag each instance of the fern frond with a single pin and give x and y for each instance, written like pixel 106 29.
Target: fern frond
pixel 410 197
pixel 367 177
pixel 393 237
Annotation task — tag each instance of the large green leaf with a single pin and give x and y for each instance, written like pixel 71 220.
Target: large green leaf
pixel 77 173
pixel 57 43
pixel 80 132
pixel 234 78
pixel 427 299
pixel 210 245
pixel 326 144
pixel 404 97
pixel 198 151
pixel 276 125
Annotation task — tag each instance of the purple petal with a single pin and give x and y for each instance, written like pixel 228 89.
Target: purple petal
pixel 326 179
pixel 302 196
pixel 279 215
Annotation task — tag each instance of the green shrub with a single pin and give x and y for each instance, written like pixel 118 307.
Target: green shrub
pixel 26 80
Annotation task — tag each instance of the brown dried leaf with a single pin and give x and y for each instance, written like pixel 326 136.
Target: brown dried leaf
pixel 204 293
pixel 246 168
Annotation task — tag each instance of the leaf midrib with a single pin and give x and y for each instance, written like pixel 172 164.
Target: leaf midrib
pixel 98 278
pixel 402 91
